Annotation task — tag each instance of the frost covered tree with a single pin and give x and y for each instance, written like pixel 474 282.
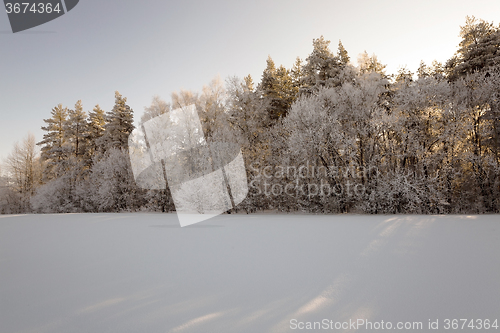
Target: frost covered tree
pixel 183 98
pixel 23 169
pixel 56 196
pixel 322 67
pixel 212 110
pixel 417 141
pixel 342 54
pixel 403 76
pixel 76 131
pixel 423 70
pixel 96 121
pixel 475 95
pixel 297 74
pixel 479 49
pixel 156 199
pixel 424 142
pixel 251 121
pixel 111 186
pixel 371 63
pixel 54 148
pixel 277 89
pixel 337 130
pixel 5 192
pixel 70 157
pixel 157 108
pixel 119 125
pixel 247 111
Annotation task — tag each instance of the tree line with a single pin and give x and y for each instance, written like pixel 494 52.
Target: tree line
pixel 324 136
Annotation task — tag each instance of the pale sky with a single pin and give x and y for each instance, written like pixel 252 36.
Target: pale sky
pixel 155 47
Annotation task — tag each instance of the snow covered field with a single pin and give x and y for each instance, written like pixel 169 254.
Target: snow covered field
pixel 244 273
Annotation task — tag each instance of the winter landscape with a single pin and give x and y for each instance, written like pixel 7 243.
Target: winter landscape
pixel 325 136
pixel 298 183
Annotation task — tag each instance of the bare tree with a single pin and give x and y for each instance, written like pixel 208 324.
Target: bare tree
pixel 23 170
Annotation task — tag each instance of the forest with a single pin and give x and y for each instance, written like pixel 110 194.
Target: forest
pixel 328 135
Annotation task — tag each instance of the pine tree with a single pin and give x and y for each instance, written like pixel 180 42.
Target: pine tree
pixel 369 64
pixel 322 67
pixel 342 54
pixel 268 83
pixel 277 89
pixel 76 131
pixel 479 49
pixel 404 76
pixel 297 74
pixel 96 122
pixel 54 149
pixel 248 83
pixel 287 92
pixel 423 70
pixel 437 69
pixel 119 125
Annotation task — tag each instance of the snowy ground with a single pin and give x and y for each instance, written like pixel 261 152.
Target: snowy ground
pixel 246 273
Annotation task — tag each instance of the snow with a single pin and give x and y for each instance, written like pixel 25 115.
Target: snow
pixel 243 273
